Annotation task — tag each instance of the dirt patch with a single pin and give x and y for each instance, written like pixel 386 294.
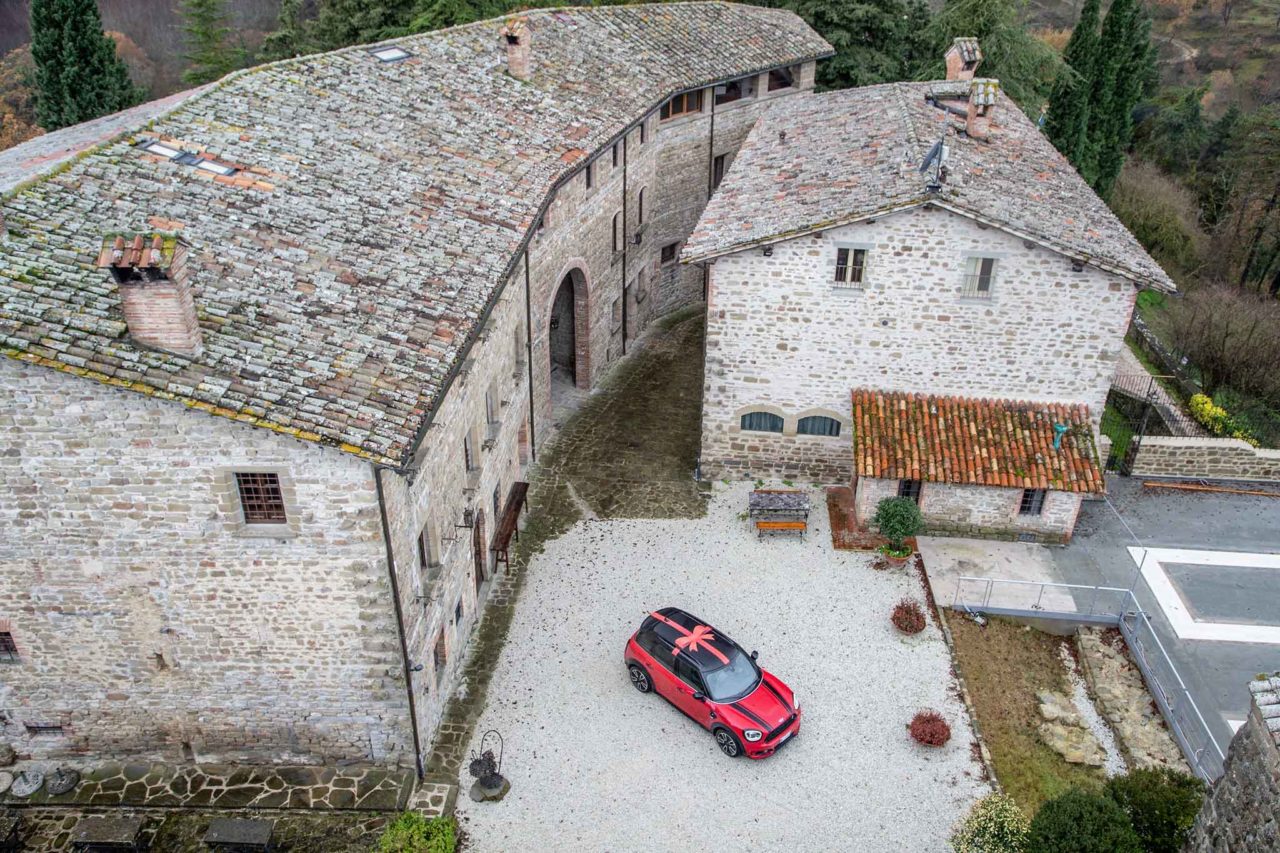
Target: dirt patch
pixel 1005 665
pixel 846 533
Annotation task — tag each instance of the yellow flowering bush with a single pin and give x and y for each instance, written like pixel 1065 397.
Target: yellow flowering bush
pixel 1217 419
pixel 995 824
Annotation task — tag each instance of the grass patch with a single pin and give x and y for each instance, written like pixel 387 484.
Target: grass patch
pixel 1004 665
pixel 1116 427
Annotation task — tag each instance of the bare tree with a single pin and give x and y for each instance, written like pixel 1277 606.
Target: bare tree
pixel 1232 337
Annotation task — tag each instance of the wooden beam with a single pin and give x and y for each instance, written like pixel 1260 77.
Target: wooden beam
pixel 1196 487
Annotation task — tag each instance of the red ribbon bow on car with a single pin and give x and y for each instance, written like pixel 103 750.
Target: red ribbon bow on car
pixel 699 638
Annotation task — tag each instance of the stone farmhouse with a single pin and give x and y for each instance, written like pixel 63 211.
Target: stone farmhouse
pixel 912 290
pixel 278 351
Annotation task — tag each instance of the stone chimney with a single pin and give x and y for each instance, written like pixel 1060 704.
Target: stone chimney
pixel 519 60
pixel 962 58
pixel 982 107
pixel 155 291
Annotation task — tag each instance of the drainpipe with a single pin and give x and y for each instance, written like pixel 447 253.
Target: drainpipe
pixel 626 242
pixel 528 338
pixel 711 147
pixel 395 598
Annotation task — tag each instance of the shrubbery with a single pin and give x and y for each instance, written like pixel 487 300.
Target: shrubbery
pixel 929 728
pixel 1080 822
pixel 995 824
pixel 411 832
pixel 908 617
pixel 1218 420
pixel 1161 803
pixel 898 519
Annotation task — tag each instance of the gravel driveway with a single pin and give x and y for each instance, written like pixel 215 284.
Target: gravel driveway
pixel 594 765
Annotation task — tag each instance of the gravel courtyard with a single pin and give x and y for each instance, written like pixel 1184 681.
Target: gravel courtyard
pixel 594 765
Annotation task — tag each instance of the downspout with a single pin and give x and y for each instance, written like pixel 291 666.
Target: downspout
pixel 626 242
pixel 711 178
pixel 528 337
pixel 395 598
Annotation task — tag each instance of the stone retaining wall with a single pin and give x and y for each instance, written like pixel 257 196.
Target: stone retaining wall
pixel 1240 812
pixel 1205 459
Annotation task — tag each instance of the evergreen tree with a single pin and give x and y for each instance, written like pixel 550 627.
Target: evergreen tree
pixel 1025 66
pixel 211 52
pixel 438 14
pixel 1121 75
pixel 345 22
pixel 290 37
pixel 876 41
pixel 78 75
pixel 1068 119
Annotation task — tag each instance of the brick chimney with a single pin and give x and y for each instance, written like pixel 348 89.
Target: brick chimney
pixel 962 58
pixel 155 291
pixel 519 60
pixel 982 107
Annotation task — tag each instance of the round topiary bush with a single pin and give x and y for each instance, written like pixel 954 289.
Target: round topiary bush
pixel 898 519
pixel 908 617
pixel 995 824
pixel 1079 822
pixel 1161 803
pixel 929 728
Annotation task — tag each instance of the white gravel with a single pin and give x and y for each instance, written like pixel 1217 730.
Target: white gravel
pixel 594 765
pixel 1114 764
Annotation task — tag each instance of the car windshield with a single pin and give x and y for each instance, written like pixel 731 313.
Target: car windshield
pixel 733 680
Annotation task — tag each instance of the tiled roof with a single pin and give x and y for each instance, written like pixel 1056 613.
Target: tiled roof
pixel 857 153
pixel 903 436
pixel 378 212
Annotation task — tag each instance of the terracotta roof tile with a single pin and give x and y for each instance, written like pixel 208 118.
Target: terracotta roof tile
pixel 964 441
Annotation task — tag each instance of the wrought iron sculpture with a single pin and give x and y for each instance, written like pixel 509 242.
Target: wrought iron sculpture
pixel 487 769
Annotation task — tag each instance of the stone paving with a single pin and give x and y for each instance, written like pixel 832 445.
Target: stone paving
pixel 629 452
pixel 233 786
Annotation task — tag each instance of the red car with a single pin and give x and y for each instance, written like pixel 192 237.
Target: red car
pixel 709 677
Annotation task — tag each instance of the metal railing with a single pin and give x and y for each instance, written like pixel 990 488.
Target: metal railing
pixel 1105 605
pixel 1101 605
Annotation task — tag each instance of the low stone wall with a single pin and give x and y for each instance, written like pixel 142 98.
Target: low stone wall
pixel 1240 812
pixel 1205 459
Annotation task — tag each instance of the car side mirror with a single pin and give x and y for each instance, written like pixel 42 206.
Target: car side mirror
pixel 697 694
pixel 754 654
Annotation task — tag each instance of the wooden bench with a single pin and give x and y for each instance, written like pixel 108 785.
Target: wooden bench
pixel 509 524
pixel 799 526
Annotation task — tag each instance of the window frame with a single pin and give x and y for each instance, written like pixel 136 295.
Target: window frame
pixel 842 274
pixel 261 511
pixel 688 672
pixel 719 166
pixel 839 427
pixel 690 103
pixel 792 73
pixel 1032 502
pixel 616 226
pixel 743 420
pixel 744 86
pixel 9 651
pixel 590 172
pixel 972 283
pixel 663 259
pixel 912 489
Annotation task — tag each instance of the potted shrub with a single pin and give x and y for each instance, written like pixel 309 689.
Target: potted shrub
pixel 929 728
pixel 898 519
pixel 908 617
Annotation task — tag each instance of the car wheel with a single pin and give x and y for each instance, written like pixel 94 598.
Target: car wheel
pixel 728 743
pixel 640 679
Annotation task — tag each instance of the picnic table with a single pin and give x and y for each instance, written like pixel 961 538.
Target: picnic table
pixel 779 511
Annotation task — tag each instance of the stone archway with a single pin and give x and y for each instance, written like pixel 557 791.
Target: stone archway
pixel 569 332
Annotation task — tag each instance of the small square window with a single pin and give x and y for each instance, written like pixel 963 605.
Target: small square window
pixel 642 133
pixel 615 154
pixel 980 274
pixel 1032 502
pixel 591 174
pixel 391 53
pixel 909 489
pixel 669 252
pixel 8 648
pixel 162 150
pixel 851 266
pixel 261 498
pixel 717 170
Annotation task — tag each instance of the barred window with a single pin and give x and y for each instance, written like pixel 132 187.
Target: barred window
pixel 818 425
pixel 261 499
pixel 909 489
pixel 851 266
pixel 1032 502
pixel 43 728
pixel 8 648
pixel 761 422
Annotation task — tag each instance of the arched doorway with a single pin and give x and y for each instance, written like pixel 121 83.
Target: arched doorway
pixel 563 338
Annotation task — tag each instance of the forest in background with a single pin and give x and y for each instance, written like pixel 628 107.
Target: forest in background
pixel 1187 151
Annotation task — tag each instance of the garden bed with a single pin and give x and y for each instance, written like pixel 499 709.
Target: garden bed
pixel 1004 665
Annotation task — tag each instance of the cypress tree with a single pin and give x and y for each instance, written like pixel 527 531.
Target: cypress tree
pixel 1068 119
pixel 290 36
pixel 210 51
pixel 1128 57
pixel 78 75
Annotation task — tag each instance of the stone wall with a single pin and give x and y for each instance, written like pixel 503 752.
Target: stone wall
pixel 981 511
pixel 151 622
pixel 1242 810
pixel 781 338
pixel 1204 459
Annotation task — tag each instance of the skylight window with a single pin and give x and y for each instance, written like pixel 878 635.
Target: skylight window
pixel 162 150
pixel 390 53
pixel 215 167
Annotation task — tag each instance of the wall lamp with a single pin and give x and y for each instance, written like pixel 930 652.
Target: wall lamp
pixel 768 251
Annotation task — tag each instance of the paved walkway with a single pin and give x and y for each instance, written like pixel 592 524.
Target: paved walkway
pixel 629 452
pixel 1133 379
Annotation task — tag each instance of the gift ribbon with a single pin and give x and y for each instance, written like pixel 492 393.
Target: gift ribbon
pixel 699 638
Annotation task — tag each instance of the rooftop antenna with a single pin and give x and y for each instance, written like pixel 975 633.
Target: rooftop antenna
pixel 937 160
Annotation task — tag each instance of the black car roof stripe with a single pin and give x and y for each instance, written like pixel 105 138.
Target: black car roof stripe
pixel 786 706
pixel 738 706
